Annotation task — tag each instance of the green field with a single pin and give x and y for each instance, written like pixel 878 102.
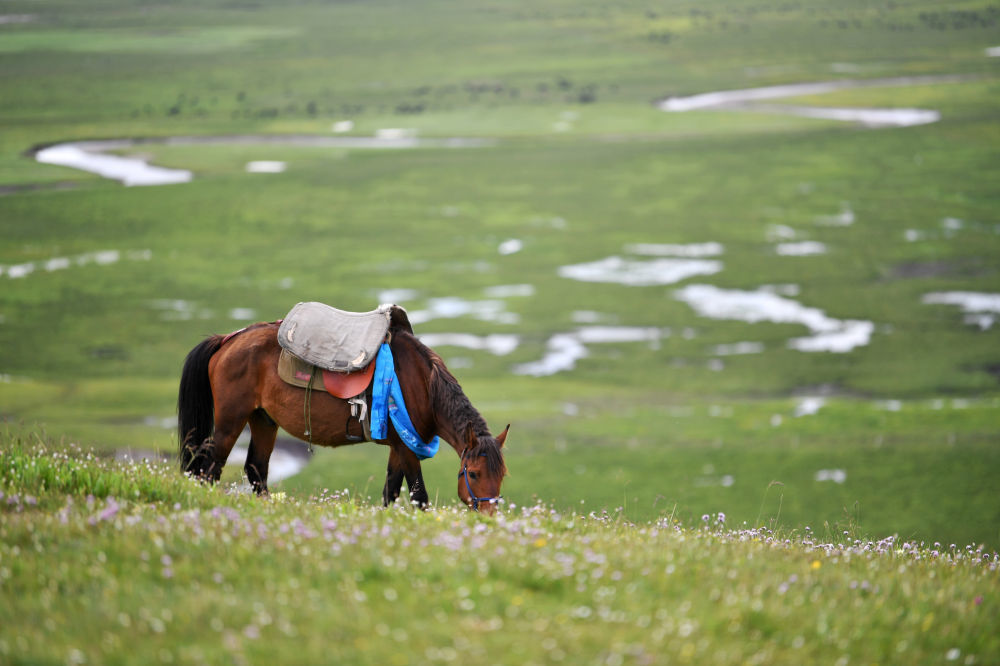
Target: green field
pixel 128 563
pixel 104 288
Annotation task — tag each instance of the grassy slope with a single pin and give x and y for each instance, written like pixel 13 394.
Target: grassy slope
pixel 112 563
pixel 620 173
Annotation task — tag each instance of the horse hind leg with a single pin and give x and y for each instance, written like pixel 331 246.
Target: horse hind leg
pixel 263 432
pixel 216 449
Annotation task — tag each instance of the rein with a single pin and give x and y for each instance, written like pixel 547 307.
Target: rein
pixel 472 495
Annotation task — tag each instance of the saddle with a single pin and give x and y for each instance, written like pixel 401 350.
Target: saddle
pixel 321 342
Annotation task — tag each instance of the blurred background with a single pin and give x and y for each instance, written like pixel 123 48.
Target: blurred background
pixel 703 256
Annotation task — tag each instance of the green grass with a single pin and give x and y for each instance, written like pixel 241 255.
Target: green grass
pixel 112 563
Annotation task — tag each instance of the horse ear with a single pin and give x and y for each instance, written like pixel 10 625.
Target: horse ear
pixel 471 441
pixel 503 436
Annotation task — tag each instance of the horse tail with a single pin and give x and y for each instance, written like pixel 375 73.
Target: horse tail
pixel 195 409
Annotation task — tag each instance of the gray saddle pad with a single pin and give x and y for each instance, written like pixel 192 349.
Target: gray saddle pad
pixel 334 339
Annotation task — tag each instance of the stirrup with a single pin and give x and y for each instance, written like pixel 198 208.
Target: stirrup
pixel 359 411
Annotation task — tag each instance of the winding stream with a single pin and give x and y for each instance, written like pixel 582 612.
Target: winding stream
pixel 750 99
pixel 96 156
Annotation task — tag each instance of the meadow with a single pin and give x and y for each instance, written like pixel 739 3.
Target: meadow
pixel 105 562
pixel 594 232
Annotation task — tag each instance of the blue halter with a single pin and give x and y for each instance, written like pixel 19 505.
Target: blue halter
pixel 472 495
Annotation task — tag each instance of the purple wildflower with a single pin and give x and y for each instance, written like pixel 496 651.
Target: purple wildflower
pixel 110 511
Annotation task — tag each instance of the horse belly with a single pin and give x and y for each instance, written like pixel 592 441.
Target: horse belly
pixel 319 418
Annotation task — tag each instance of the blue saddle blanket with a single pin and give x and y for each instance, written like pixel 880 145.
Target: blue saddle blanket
pixel 388 404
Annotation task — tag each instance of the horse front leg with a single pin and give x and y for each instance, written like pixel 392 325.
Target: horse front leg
pixel 418 491
pixel 403 463
pixel 393 479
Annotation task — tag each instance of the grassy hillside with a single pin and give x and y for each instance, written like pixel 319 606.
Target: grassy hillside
pixel 104 562
pixel 104 289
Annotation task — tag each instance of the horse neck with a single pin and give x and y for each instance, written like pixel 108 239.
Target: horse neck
pixel 452 414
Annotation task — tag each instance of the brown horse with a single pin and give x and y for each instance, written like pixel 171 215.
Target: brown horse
pixel 229 381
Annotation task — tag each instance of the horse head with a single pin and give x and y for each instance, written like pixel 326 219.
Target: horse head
pixel 482 471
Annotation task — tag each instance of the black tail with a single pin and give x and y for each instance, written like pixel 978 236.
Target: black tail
pixel 195 411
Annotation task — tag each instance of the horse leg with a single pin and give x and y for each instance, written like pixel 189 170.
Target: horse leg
pixel 418 491
pixel 227 431
pixel 414 475
pixel 393 478
pixel 403 463
pixel 263 432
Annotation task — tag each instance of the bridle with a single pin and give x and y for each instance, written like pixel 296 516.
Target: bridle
pixel 472 496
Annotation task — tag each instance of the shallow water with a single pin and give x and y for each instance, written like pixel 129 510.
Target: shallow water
pixel 182 310
pixel 808 405
pixel 800 248
pixel 99 258
pixel 835 475
pixel 981 309
pixel 288 458
pixel 510 246
pixel 874 118
pixel 93 157
pixel 844 218
pixel 509 291
pixel 497 344
pixel 450 307
pixel 639 273
pixel 749 99
pixel 828 334
pixel 129 171
pixel 266 166
pixel 563 350
pixel 691 250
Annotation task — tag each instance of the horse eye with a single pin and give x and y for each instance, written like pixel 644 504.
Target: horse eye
pixel 473 475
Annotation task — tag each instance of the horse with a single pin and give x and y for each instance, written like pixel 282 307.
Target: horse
pixel 230 381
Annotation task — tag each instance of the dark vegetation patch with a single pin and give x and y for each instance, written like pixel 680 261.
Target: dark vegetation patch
pixel 915 270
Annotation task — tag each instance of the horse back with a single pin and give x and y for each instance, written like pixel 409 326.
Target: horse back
pixel 244 358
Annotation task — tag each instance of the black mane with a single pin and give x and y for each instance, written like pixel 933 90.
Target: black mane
pixel 451 405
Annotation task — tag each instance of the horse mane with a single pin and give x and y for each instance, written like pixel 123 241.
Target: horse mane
pixel 453 406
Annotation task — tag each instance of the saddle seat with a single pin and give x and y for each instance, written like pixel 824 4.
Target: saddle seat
pixel 338 345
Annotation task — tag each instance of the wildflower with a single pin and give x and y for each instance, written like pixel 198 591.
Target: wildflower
pixel 111 511
pixel 816 564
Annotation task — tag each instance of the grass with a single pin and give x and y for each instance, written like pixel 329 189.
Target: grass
pixel 105 562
